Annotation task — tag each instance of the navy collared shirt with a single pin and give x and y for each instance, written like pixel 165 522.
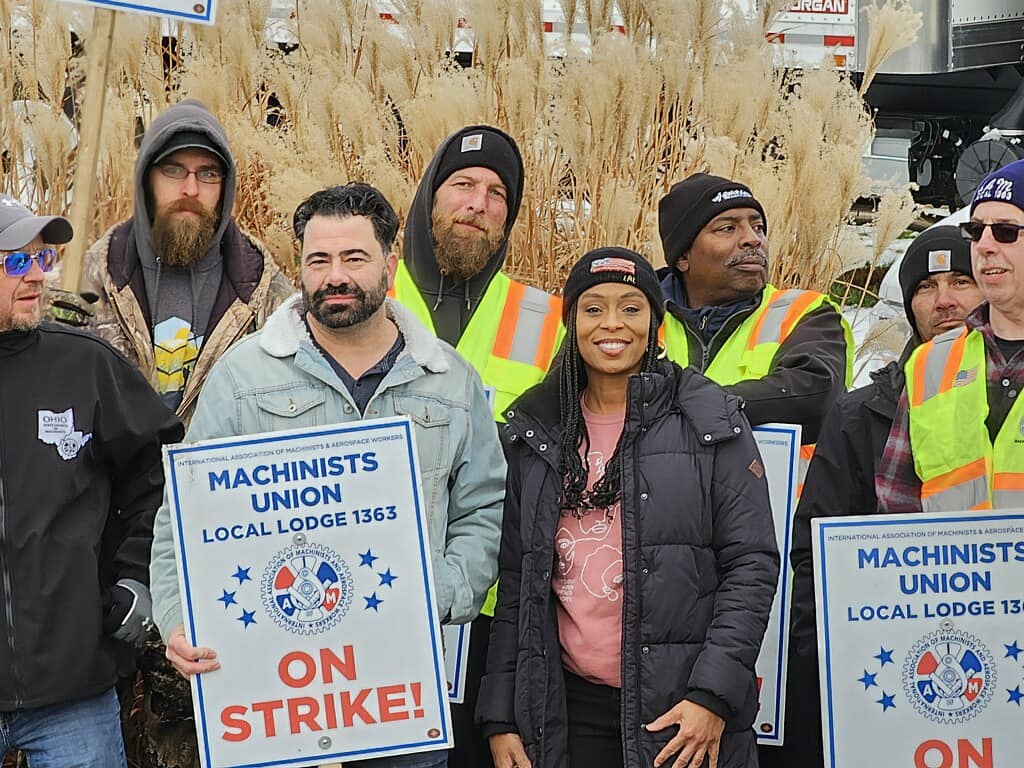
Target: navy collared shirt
pixel 362 389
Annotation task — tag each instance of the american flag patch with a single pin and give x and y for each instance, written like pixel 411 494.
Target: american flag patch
pixel 963 378
pixel 613 264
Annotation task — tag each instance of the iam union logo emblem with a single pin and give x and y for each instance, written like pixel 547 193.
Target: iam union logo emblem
pixel 307 588
pixel 949 676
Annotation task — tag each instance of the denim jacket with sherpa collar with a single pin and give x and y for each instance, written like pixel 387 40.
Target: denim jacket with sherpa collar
pixel 276 379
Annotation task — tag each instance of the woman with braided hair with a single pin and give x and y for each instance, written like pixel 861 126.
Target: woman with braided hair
pixel 638 558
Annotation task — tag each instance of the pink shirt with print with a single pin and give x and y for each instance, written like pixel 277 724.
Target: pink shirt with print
pixel 588 577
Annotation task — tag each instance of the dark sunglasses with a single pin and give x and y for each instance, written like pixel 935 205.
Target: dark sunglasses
pixel 1002 231
pixel 19 263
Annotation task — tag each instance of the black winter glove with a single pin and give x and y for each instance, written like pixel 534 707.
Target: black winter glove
pixel 71 308
pixel 128 611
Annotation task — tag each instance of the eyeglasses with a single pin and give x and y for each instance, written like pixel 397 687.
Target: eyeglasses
pixel 206 175
pixel 19 263
pixel 1002 231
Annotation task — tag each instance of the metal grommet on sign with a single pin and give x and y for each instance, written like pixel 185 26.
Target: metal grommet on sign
pixel 299 538
pixel 946 625
pixel 324 742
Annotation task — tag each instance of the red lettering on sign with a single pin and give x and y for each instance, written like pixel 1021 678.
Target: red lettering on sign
pixel 234 717
pixel 267 708
pixel 303 711
pixel 352 708
pixel 330 662
pixel 966 754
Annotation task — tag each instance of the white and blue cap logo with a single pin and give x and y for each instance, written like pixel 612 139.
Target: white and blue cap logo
pixel 1005 185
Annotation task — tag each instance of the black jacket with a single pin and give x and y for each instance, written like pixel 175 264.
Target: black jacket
pixel 700 565
pixel 808 371
pixel 841 480
pixel 80 481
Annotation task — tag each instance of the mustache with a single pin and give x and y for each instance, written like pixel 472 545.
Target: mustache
pixel 186 204
pixel 474 220
pixel 345 289
pixel 756 256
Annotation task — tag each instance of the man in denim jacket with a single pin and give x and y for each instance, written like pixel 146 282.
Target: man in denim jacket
pixel 339 352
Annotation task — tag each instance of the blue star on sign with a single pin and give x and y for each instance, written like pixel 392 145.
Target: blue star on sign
pixel 228 598
pixel 242 574
pixel 1015 695
pixel 1012 651
pixel 367 558
pixel 885 657
pixel 868 679
pixel 887 701
pixel 386 578
pixel 247 618
pixel 372 602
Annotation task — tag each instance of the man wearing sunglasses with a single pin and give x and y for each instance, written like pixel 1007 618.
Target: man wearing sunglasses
pixel 179 281
pixel 80 482
pixel 954 441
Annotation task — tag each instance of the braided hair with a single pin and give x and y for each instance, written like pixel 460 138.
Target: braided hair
pixel 574 469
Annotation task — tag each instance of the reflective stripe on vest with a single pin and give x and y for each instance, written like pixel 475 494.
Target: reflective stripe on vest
pixel 748 353
pixel 750 349
pixel 959 466
pixel 510 341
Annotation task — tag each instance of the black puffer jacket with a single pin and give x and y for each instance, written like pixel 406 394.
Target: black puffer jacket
pixel 699 560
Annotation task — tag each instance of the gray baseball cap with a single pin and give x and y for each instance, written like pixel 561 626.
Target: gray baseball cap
pixel 19 226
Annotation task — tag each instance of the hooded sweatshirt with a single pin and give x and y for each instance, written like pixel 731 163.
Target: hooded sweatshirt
pixel 451 302
pixel 181 300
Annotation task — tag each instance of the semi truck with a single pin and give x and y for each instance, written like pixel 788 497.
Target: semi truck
pixel 948 109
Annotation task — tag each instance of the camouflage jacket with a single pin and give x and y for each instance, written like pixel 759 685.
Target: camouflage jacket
pixel 251 289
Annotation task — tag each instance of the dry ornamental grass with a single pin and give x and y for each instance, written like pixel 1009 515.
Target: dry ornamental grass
pixel 604 132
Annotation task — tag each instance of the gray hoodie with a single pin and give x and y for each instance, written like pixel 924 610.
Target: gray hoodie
pixel 180 300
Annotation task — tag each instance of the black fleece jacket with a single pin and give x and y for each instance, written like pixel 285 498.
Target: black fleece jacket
pixel 81 478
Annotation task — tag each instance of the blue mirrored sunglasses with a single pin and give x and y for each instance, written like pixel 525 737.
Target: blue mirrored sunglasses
pixel 19 263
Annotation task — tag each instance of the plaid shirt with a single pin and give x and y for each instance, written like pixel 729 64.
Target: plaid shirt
pixel 896 483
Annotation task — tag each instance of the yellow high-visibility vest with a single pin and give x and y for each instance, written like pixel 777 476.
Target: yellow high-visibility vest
pixel 510 341
pixel 959 465
pixel 511 337
pixel 750 349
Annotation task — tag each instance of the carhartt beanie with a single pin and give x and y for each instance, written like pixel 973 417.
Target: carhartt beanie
pixel 1005 185
pixel 612 265
pixel 936 250
pixel 478 146
pixel 692 203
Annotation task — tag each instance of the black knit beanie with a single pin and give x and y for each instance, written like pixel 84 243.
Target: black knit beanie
pixel 479 146
pixel 691 203
pixel 936 250
pixel 612 265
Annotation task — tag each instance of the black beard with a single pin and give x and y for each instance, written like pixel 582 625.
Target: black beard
pixel 346 315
